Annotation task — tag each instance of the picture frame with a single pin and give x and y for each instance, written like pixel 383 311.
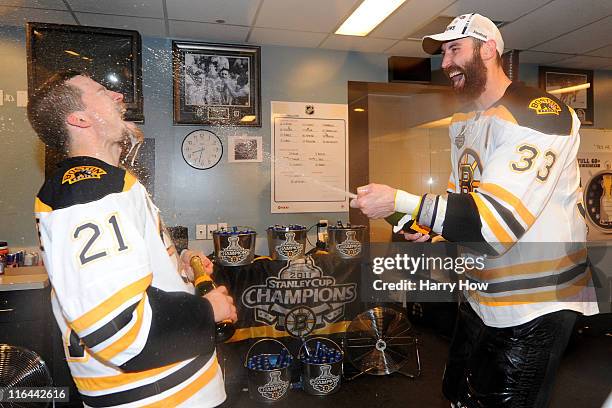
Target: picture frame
pixel 216 84
pixel 245 149
pixel 112 57
pixel 581 100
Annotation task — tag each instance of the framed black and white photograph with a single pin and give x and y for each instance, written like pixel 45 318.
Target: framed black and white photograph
pixel 110 56
pixel 245 149
pixel 216 84
pixel 574 87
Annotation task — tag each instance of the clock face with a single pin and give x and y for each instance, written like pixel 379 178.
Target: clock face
pixel 202 149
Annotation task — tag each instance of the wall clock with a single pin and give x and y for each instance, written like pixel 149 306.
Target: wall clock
pixel 202 149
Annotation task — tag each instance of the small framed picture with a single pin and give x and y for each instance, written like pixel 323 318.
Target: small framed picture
pixel 245 149
pixel 573 86
pixel 216 84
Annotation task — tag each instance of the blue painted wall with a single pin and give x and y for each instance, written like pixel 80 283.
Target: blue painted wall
pixel 237 193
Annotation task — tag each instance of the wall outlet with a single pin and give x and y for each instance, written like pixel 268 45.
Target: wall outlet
pixel 209 230
pixel 200 231
pixel 222 225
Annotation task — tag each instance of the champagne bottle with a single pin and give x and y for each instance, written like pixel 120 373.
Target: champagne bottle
pixel 204 284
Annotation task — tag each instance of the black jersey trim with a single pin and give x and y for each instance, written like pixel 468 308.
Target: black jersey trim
pixel 81 180
pixel 506 215
pixel 536 109
pixel 462 221
pixel 182 327
pixel 136 394
pixel 532 283
pixel 111 328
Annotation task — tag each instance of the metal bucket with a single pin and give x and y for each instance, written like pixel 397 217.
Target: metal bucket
pixel 321 366
pixel 268 384
pixel 287 243
pixel 235 246
pixel 346 241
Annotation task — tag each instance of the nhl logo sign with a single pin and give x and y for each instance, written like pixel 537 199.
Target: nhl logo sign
pixel 310 110
pixel 234 253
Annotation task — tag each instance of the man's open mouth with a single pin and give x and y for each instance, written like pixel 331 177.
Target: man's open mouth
pixel 457 78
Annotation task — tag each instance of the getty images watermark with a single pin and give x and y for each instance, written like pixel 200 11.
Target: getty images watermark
pixel 405 263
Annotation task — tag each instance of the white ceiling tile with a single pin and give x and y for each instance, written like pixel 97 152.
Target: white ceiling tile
pixel 137 8
pixel 208 32
pixel 18 17
pixel 145 26
pixel 588 38
pixel 552 20
pixel 286 37
pixel 352 43
pixel 497 10
pixel 583 62
pixel 408 48
pixel 46 4
pixel 411 16
pixel 237 12
pixel 321 16
pixel 602 52
pixel 542 58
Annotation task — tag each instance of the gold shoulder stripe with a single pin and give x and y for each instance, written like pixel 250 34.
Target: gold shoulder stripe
pixel 110 304
pixel 462 117
pixel 188 391
pixel 502 113
pixel 511 199
pixel 128 338
pixel 128 181
pixel 113 381
pixel 39 206
pixel 529 268
pixel 499 231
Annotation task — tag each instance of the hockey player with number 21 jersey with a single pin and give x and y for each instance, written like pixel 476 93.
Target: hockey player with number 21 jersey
pixel 134 333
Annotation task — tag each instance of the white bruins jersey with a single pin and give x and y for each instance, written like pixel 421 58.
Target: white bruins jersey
pixel 134 333
pixel 515 181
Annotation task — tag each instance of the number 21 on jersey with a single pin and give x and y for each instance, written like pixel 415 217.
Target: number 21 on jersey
pixel 90 232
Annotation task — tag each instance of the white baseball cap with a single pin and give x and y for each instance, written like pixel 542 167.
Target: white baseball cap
pixel 466 25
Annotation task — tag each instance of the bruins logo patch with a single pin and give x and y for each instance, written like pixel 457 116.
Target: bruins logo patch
pixel 545 106
pixel 79 173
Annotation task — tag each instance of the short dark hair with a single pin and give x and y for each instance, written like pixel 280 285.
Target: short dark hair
pixel 49 106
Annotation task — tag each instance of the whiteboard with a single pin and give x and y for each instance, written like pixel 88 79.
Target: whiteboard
pixel 309 157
